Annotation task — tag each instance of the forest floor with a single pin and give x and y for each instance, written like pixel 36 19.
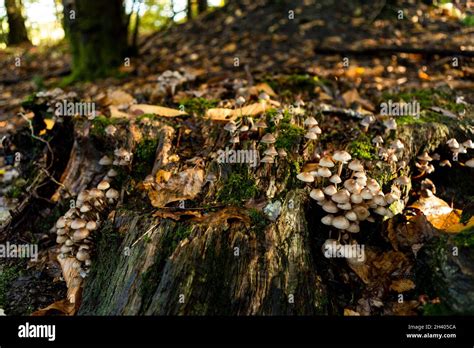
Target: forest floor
pixel 343 62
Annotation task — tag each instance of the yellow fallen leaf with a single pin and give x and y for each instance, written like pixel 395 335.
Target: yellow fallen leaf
pixel 262 87
pixel 422 75
pixel 220 114
pixel 402 285
pixel 439 213
pixel 349 312
pixel 115 112
pixel 49 123
pixel 157 110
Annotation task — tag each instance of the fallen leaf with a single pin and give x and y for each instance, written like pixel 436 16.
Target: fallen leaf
pixel 63 306
pixel 157 110
pixel 49 123
pixel 118 97
pixel 262 87
pixel 116 113
pixel 443 112
pixel 181 186
pixel 402 285
pixel 349 312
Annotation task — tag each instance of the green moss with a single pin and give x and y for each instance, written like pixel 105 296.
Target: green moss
pixel 436 309
pixel 362 148
pixel 99 124
pixel 238 187
pixel 297 82
pixel 7 275
pixel 259 221
pixel 468 20
pixel 198 106
pixel 144 158
pixel 465 238
pixel 290 135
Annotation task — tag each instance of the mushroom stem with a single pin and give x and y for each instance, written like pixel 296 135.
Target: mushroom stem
pixel 339 170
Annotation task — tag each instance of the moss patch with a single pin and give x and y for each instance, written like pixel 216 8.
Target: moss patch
pixel 239 186
pixel 290 135
pixel 198 106
pixel 7 275
pixel 144 158
pixel 362 148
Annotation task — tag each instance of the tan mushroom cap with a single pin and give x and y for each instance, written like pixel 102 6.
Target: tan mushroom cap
pixel 324 172
pixel 91 225
pixel 403 180
pixel 362 212
pixel 85 208
pixel 61 239
pixel 80 234
pixel 340 222
pixel 103 185
pixel 379 200
pixel 78 223
pixel 345 206
pixel 397 145
pixel 271 151
pixel 327 219
pixel 61 231
pixel 351 215
pixel 356 165
pixel 425 157
pixel 282 153
pixel 335 179
pixel 342 156
pixel 105 161
pixel 317 194
pixel 316 130
pixel 270 159
pixel 310 121
pixel 230 126
pixel 377 140
pixel 330 190
pixel 65 249
pixel 261 124
pixel 61 223
pixel 82 255
pixel 326 162
pixel 342 196
pixel 453 143
pixel 96 193
pixel 468 144
pixel 470 163
pixel 445 163
pixel 366 194
pixel 373 185
pixel 356 198
pixel 330 207
pixel 268 139
pixel 240 101
pixel 353 228
pixel 244 128
pixel 112 194
pixel 305 176
pixel 311 136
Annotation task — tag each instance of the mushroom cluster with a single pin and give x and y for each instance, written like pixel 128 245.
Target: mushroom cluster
pixel 75 229
pixel 350 200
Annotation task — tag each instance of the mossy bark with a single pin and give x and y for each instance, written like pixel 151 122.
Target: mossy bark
pixel 16 23
pixel 97 32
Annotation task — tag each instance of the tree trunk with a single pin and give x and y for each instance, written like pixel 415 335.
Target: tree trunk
pixel 16 23
pixel 97 33
pixel 202 6
pixel 189 9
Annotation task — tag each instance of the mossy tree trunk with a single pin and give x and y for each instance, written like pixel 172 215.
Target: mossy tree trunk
pixel 97 32
pixel 16 23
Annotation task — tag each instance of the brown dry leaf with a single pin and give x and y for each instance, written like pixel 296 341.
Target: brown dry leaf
pixel 407 231
pixel 229 48
pixel 162 176
pixel 176 215
pixel 222 216
pixel 253 109
pixel 438 212
pixel 220 114
pixel 63 306
pixel 115 112
pixel 350 97
pixel 310 167
pixel 181 186
pixel 262 87
pixel 157 110
pixel 424 76
pixel 402 285
pixel 72 278
pixel 49 123
pixel 350 313
pixel 118 97
pixel 406 308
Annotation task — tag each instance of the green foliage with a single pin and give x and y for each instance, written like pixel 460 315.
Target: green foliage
pixel 468 21
pixel 290 135
pixel 7 275
pixel 144 158
pixel 362 148
pixel 198 106
pixel 435 309
pixel 259 220
pixel 99 124
pixel 238 187
pixel 465 238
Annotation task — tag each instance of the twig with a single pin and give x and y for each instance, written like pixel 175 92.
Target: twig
pixel 143 235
